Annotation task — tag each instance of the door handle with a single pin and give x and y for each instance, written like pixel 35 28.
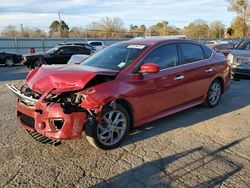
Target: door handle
pixel 209 70
pixel 179 77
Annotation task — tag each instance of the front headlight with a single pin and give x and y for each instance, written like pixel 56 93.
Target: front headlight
pixel 230 58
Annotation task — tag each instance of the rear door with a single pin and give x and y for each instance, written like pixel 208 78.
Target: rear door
pixel 197 70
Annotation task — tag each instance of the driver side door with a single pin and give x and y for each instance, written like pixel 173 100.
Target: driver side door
pixel 62 56
pixel 159 92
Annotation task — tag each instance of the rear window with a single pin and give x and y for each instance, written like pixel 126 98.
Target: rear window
pixel 207 51
pixel 96 43
pixel 191 53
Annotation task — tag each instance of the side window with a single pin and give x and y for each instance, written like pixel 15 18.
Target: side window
pixel 88 47
pixel 165 56
pixel 191 53
pixel 208 52
pixel 78 50
pixel 96 43
pixel 65 51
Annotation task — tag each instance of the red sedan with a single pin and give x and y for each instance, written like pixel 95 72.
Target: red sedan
pixel 121 87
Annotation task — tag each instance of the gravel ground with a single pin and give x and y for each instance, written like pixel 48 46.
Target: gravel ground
pixel 199 147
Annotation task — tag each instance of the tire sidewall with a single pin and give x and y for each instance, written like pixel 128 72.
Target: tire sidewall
pixel 91 129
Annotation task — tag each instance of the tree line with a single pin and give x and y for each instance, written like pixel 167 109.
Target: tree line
pixel 114 27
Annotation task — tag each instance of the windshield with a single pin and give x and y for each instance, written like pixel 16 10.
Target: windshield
pixel 115 57
pixel 89 47
pixel 244 45
pixel 51 51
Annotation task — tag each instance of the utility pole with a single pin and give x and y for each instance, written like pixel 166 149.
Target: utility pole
pixel 60 24
pixel 21 25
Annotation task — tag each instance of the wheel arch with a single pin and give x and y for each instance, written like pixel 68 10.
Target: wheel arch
pixel 221 80
pixel 129 109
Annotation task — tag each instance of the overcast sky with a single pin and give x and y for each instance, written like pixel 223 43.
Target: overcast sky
pixel 40 13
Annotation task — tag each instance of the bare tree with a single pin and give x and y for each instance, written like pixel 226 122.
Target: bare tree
pixel 10 31
pixel 37 33
pixel 106 28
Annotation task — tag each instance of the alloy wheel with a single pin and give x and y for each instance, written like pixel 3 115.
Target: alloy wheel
pixel 112 127
pixel 214 93
pixel 9 62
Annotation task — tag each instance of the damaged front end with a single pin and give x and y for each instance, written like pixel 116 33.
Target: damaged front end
pixel 57 103
pixel 57 116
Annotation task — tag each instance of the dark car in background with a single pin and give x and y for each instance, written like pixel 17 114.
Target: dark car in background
pixel 239 59
pixel 58 55
pixel 9 59
pixel 87 46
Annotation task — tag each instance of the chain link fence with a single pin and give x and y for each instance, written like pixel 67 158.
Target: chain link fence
pixel 22 45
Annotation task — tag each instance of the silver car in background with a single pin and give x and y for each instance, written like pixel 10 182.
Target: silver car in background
pixel 239 59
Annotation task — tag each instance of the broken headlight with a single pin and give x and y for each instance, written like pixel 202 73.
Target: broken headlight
pixel 69 101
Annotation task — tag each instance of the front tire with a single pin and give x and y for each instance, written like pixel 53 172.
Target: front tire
pixel 214 93
pixel 112 129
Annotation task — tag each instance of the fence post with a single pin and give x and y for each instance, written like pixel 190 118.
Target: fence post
pixel 43 45
pixel 16 46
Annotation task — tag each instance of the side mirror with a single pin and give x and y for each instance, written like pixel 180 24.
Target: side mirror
pixel 150 68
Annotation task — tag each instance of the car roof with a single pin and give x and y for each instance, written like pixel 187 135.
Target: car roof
pixel 154 41
pixel 71 43
pixel 61 46
pixel 95 41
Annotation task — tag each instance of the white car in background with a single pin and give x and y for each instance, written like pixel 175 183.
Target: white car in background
pixel 98 45
pixel 77 59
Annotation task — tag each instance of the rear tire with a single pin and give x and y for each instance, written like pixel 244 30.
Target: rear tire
pixel 112 129
pixel 214 94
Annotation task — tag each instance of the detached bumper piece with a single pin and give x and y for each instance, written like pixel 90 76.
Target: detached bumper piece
pixel 26 99
pixel 42 139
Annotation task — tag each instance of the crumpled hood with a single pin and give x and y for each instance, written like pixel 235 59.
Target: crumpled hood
pixel 241 53
pixel 63 78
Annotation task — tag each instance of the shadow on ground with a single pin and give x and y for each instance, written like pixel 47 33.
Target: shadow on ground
pixel 232 100
pixel 198 167
pixel 17 72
